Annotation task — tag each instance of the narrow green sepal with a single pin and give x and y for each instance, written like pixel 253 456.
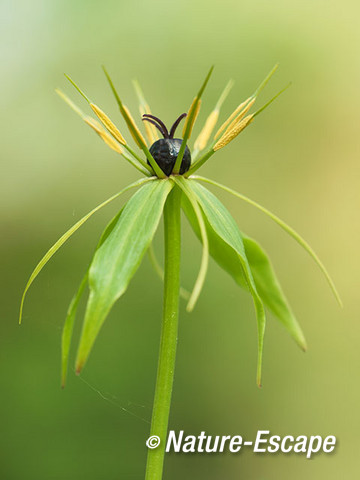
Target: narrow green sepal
pixel 270 101
pixel 289 230
pixel 203 86
pixel 187 190
pixel 265 81
pixel 225 238
pixel 189 121
pixel 133 129
pixel 57 245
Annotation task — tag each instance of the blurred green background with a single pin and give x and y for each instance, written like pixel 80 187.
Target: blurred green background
pixel 300 158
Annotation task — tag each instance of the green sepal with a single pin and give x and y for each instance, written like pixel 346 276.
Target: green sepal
pixel 270 290
pixel 139 140
pixel 289 230
pixel 190 121
pixel 117 260
pixel 265 279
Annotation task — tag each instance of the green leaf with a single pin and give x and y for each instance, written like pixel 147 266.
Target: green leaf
pixel 223 253
pixel 68 234
pixel 270 290
pixel 265 279
pixel 184 185
pixel 227 246
pixel 284 226
pixel 117 260
pixel 72 310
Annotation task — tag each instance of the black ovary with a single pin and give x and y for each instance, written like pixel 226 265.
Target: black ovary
pixel 165 152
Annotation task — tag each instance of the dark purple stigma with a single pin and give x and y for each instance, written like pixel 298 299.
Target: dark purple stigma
pixel 165 151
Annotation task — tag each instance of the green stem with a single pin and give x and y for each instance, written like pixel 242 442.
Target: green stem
pixel 167 354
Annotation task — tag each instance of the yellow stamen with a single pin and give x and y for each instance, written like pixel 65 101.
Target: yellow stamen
pixel 232 116
pixel 227 137
pixel 105 120
pixel 240 116
pixel 207 130
pixel 195 104
pixel 134 130
pixel 95 125
pixel 103 134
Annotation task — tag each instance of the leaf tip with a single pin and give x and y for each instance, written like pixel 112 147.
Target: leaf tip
pixel 77 88
pixel 79 367
pixel 303 344
pixel 340 302
pixel 301 341
pixel 21 310
pixel 190 306
pixel 108 77
pixel 63 377
pixel 258 377
pixel 259 370
pixel 201 91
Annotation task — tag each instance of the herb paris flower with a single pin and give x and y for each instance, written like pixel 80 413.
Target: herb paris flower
pixel 170 184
